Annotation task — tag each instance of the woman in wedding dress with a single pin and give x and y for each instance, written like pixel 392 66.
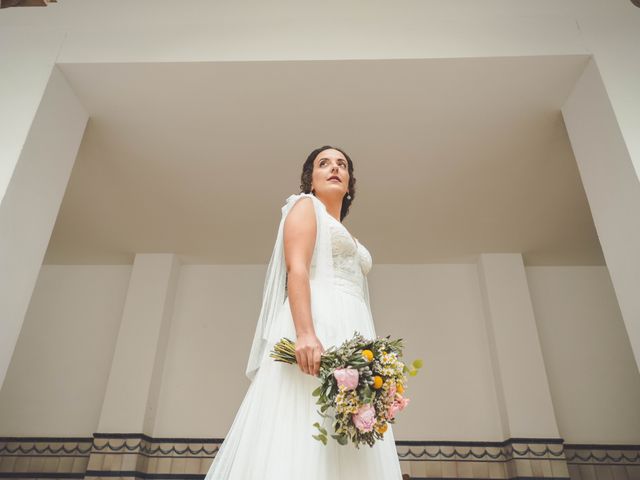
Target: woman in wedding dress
pixel 315 293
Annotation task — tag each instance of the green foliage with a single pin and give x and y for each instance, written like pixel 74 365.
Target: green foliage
pixel 342 439
pixel 366 394
pixel 322 436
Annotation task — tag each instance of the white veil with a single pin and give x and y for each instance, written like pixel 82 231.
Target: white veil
pixel 321 281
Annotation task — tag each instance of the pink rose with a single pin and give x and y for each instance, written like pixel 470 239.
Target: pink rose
pixel 347 377
pixel 365 418
pixel 397 406
pixel 392 410
pixel 392 391
pixel 403 402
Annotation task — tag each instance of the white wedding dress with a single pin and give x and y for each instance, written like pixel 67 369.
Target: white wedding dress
pixel 271 435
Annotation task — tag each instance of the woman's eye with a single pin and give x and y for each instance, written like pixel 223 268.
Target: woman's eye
pixel 323 163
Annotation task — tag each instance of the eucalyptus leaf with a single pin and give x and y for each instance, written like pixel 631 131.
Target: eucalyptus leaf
pixel 322 414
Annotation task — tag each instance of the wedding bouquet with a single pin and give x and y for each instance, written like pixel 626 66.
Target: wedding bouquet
pixel 362 381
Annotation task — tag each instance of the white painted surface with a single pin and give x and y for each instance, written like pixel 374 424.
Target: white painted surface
pixel 58 375
pixel 520 379
pixel 30 205
pixel 590 366
pixel 451 155
pixel 131 397
pixel 161 31
pixel 437 309
pixel 613 190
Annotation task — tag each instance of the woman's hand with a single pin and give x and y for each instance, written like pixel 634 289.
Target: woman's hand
pixel 308 353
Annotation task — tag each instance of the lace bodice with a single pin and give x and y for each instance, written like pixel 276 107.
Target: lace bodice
pixel 351 259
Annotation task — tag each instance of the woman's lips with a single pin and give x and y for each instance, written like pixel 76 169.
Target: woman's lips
pixel 335 180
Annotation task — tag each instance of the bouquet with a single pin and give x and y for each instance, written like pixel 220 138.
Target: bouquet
pixel 362 381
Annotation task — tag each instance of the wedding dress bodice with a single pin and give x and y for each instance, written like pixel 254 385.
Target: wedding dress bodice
pixel 351 259
pixel 348 259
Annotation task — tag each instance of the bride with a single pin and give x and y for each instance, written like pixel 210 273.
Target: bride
pixel 315 293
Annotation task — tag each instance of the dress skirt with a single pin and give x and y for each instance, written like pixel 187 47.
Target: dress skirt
pixel 271 435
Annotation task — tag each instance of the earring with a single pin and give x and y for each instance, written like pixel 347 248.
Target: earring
pixel 349 197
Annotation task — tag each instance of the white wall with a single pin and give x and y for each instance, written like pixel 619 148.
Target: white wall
pixel 25 70
pixel 612 189
pixel 594 383
pixel 216 309
pixel 117 31
pixel 59 372
pixel 32 198
pixel 437 309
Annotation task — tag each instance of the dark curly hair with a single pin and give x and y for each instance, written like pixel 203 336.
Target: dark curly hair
pixel 307 172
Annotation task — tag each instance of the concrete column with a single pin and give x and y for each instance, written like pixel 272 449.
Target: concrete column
pixel 612 188
pixel 130 402
pixel 522 388
pixel 33 179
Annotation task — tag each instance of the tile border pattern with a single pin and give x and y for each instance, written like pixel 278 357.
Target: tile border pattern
pixel 138 456
pixel 603 462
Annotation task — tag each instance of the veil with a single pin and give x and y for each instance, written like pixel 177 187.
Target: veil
pixel 320 279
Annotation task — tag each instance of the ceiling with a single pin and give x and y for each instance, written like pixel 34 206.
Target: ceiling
pixel 453 157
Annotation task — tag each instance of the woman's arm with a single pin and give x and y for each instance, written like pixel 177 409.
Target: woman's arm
pixel 299 242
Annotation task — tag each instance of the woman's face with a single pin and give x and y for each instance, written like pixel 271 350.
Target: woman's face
pixel 328 165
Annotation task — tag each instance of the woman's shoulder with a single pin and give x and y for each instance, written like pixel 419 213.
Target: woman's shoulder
pixel 297 196
pixel 292 199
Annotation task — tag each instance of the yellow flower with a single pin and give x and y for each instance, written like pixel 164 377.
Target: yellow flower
pixel 377 382
pixel 399 388
pixel 368 354
pixel 382 428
